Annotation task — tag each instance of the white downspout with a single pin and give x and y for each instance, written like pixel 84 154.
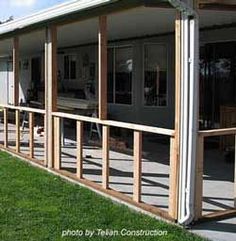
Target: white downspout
pixel 189 110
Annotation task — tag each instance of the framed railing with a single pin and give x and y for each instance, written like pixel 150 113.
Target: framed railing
pixel 31 123
pixel 138 131
pixel 199 173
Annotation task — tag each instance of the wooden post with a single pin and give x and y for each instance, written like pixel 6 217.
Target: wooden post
pixel 31 134
pixel 50 90
pixel 79 138
pixel 45 144
pixel 235 173
pixel 174 142
pixel 16 69
pixel 137 166
pixel 102 63
pixel 173 180
pixel 57 143
pixel 5 113
pixel 199 178
pixel 105 156
pixel 17 131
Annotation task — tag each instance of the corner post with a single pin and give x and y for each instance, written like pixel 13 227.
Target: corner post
pixel 175 141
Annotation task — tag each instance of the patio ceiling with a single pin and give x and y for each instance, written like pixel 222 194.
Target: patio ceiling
pixel 128 24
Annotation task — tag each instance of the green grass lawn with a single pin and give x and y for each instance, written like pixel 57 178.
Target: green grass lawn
pixel 35 205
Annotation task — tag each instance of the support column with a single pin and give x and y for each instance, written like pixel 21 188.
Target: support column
pixel 174 141
pixel 189 115
pixel 16 70
pixel 102 63
pixel 50 91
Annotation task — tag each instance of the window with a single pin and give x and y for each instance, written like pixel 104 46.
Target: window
pixel 69 67
pixel 120 68
pixel 155 75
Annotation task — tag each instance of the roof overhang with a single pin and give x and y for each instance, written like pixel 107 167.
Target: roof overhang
pixel 72 11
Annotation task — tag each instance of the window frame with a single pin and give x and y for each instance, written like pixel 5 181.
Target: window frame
pixel 114 47
pixel 70 55
pixel 167 75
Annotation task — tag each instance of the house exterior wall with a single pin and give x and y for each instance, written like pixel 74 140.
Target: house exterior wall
pixel 161 116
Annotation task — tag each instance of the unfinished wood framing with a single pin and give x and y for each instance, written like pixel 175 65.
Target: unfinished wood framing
pixel 31 134
pixel 50 89
pixel 173 181
pixel 102 67
pixel 17 130
pixel 16 70
pixel 79 140
pixel 199 178
pixel 137 166
pixel 111 123
pixel 175 141
pixel 5 117
pixel 105 156
pixel 57 143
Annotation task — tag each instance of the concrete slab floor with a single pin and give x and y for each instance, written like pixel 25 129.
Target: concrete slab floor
pixel 224 230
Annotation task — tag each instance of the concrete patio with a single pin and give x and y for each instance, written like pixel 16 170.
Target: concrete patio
pixel 218 186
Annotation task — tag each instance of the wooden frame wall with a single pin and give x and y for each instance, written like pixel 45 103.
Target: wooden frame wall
pixel 53 119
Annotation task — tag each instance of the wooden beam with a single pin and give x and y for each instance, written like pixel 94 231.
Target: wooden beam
pixel 79 139
pixel 16 70
pixel 218 132
pixel 31 134
pixel 137 166
pixel 17 130
pixel 105 156
pixel 131 126
pixel 57 143
pixel 199 178
pixel 5 117
pixel 50 89
pixel 175 142
pixel 102 63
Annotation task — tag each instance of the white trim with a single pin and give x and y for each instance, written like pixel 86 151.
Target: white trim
pixel 51 13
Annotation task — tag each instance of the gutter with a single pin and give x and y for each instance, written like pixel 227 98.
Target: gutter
pixel 189 110
pixel 52 13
